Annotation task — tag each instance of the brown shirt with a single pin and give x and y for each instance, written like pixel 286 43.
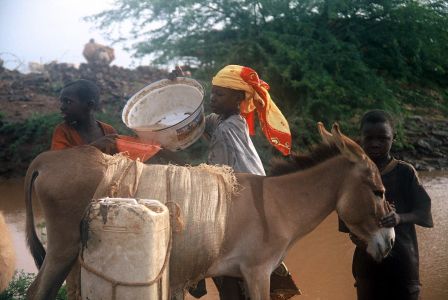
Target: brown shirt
pixel 65 136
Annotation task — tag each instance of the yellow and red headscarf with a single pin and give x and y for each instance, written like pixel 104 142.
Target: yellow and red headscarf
pixel 274 125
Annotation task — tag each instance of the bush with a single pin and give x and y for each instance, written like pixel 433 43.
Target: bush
pixel 24 141
pixel 20 283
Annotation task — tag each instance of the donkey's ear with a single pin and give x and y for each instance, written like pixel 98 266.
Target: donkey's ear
pixel 327 137
pixel 348 147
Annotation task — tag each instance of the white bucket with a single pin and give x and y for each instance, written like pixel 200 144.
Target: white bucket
pixel 167 112
pixel 127 242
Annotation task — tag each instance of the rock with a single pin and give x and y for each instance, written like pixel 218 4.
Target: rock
pixel 427 142
pixel 420 166
pixel 424 144
pixel 434 142
pixel 41 90
pixel 442 133
pixel 416 118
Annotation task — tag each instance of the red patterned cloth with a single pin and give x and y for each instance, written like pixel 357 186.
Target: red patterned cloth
pixel 274 125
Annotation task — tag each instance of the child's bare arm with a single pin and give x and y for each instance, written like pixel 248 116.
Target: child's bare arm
pixel 171 157
pixel 421 206
pixel 177 72
pixel 391 220
pixel 106 144
pixel 416 217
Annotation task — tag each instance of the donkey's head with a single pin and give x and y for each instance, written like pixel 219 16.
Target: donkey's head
pixel 361 203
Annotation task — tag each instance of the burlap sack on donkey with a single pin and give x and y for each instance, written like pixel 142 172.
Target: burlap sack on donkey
pixel 197 198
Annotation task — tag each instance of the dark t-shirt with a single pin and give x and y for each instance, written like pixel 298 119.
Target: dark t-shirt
pixel 405 191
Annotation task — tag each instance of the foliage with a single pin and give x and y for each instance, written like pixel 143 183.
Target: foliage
pixel 325 60
pixel 112 116
pixel 23 141
pixel 20 283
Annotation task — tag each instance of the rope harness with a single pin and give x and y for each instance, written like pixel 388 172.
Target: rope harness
pixel 115 186
pixel 176 226
pixel 116 283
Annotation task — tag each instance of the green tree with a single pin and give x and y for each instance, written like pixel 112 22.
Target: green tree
pixel 324 59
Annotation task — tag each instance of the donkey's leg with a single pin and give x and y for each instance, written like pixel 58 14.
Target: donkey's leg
pixel 257 281
pixel 177 294
pixel 52 274
pixel 62 251
pixel 73 282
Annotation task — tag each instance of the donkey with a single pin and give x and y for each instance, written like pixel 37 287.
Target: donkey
pixel 7 255
pixel 266 216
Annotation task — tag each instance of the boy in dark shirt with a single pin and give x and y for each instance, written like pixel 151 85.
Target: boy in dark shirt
pixel 397 276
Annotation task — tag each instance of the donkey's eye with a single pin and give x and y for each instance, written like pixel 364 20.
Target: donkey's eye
pixel 379 193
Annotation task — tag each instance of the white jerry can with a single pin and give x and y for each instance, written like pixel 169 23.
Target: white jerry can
pixel 125 254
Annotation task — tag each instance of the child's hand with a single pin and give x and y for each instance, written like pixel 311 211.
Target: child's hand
pixel 106 144
pixel 177 72
pixel 390 220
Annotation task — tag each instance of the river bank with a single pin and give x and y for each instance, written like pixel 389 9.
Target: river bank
pixel 426 142
pixel 320 262
pixel 30 110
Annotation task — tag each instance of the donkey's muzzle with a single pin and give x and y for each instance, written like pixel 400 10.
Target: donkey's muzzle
pixel 381 243
pixel 389 247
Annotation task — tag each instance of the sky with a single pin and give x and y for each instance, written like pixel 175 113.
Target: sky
pixel 46 30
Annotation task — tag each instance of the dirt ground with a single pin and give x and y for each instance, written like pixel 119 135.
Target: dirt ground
pixel 24 95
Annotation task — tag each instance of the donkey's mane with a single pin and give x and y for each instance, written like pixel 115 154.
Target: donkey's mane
pixel 296 162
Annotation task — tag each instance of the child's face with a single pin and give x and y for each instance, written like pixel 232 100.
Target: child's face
pixel 72 108
pixel 376 139
pixel 225 101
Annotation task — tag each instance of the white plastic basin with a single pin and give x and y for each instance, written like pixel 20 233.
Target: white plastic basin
pixel 166 112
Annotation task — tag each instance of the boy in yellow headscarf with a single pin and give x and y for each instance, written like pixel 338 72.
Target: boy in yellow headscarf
pixel 256 98
pixel 236 94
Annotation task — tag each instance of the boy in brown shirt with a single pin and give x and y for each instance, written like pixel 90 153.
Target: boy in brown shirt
pixel 79 100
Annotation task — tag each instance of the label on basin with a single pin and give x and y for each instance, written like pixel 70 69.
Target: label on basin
pixel 184 132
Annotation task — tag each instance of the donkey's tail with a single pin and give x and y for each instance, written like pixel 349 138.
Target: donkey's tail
pixel 36 247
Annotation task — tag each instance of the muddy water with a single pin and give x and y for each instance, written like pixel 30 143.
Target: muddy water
pixel 320 263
